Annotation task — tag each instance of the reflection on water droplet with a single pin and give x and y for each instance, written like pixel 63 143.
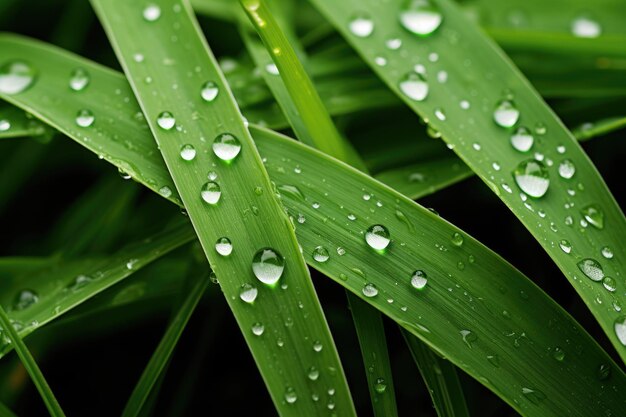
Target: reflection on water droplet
pixel 258 329
pixel 209 91
pixel 361 25
pixel 567 169
pixel 223 246
pixel 468 337
pixel 419 279
pixel 291 191
pixel 420 17
pixel 558 354
pixel 370 290
pixel 414 86
pixel 85 118
pixel 16 76
pixel 592 269
pixel 584 27
pixel 166 120
pixel 211 192
pixel 79 79
pixel 607 252
pixel 248 293
pixel 532 178
pixel 506 113
pixel 609 284
pixel 25 299
pixel 165 191
pixel 152 13
pixel 268 266
pixel 534 395
pixel 317 346
pixel 377 237
pixel 457 239
pixel 620 329
pixel 188 152
pixel 380 386
pixel 226 147
pixel 290 395
pixel 320 254
pixel 565 246
pixel 522 140
pixel 594 215
pixel 313 373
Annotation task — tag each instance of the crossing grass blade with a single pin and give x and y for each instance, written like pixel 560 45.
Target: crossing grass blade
pixel 5 411
pixel 286 315
pixel 14 123
pixel 576 212
pixel 441 379
pixel 31 366
pixel 469 287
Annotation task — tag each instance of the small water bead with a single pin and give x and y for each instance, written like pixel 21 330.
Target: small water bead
pixel 380 386
pixel 414 86
pixel 258 329
pixel 534 395
pixel 209 91
pixel 565 246
pixel 301 218
pixel 532 178
pixel 211 192
pixel 420 17
pixel 522 140
pixel 457 239
pixel 594 215
pixel 138 58
pixel 320 254
pixel 558 354
pixel 223 246
pixel 25 299
pixel 361 25
pixel 393 44
pixel 440 114
pixel 464 104
pixel 4 125
pixel 377 237
pixel 85 118
pixel 291 191
pixel 152 13
pixel 620 329
pixel 592 269
pixel 506 113
pixel 226 147
pixel 271 68
pixel 268 266
pixel 584 27
pixel 351 217
pixel 442 76
pixel 607 252
pixel 567 169
pixel 370 290
pixel 341 251
pixel 419 279
pixel 165 191
pixel 79 79
pixel 380 61
pixel 317 346
pixel 166 120
pixel 16 76
pixel 468 337
pixel 248 293
pixel 188 152
pixel 604 372
pixel 610 284
pixel 313 373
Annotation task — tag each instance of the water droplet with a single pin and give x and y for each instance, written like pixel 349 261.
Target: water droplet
pixel 313 373
pixel 522 140
pixel 468 337
pixel 604 372
pixel 610 284
pixel 166 120
pixel 420 17
pixel 226 147
pixel 377 237
pixel 79 79
pixel 532 178
pixel 16 76
pixel 152 13
pixel 211 192
pixel 85 118
pixel 584 27
pixel 4 125
pixel 534 395
pixel 320 254
pixel 317 346
pixel 165 191
pixel 620 329
pixel 187 152
pixel 80 282
pixel 440 114
pixel 592 269
pixel 558 354
pixel 209 91
pixel 271 68
pixel 594 215
pixel 223 246
pixel 25 299
pixel 393 44
pixel 464 104
pixel 506 113
pixel 258 329
pixel 607 252
pixel 361 25
pixel 457 239
pixel 419 279
pixel 290 395
pixel 248 293
pixel 291 191
pixel 567 169
pixel 414 86
pixel 380 386
pixel 268 266
pixel 565 246
pixel 370 290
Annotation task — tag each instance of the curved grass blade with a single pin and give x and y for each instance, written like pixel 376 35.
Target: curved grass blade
pixel 560 207
pixel 164 350
pixel 31 366
pixel 5 411
pixel 14 123
pixel 470 287
pixel 440 377
pixel 237 203
pixel 602 127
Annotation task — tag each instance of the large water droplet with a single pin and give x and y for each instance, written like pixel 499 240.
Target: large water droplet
pixel 223 246
pixel 609 284
pixel 607 252
pixel 419 279
pixel 584 27
pixel 258 329
pixel 166 120
pixel 187 152
pixel 532 178
pixel 377 237
pixel 268 266
pixel 209 91
pixel 211 192
pixel 248 293
pixel 420 17
pixel 320 254
pixel 370 290
pixel 380 386
pixel 567 169
pixel 85 118
pixel 313 373
pixel 620 329
pixel 594 215
pixel 25 299
pixel 226 147
pixel 16 76
pixel 414 86
pixel 592 269
pixel 79 79
pixel 506 113
pixel 152 13
pixel 290 395
pixel 361 25
pixel 522 140
pixel 565 246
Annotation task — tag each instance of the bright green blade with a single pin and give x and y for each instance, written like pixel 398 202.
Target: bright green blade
pixel 554 189
pixel 226 191
pixel 469 289
pixel 599 128
pixel 9 332
pixel 441 379
pixel 164 350
pixel 14 123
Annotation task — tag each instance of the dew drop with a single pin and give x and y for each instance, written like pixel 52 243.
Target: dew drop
pixel 414 86
pixel 468 337
pixel 25 299
pixel 268 266
pixel 209 91
pixel 79 79
pixel 607 252
pixel 85 118
pixel 165 191
pixel 534 395
pixel 291 191
pixel 313 373
pixel 271 68
pixel 223 246
pixel 152 13
pixel 419 279
pixel 594 215
pixel 380 386
pixel 317 346
pixel 320 254
pixel 4 125
pixel 377 237
pixel 592 269
pixel 393 44
pixel 370 290
pixel 457 239
pixel 604 372
pixel 522 140
pixel 506 113
pixel 565 246
pixel 290 395
pixel 620 329
pixel 16 76
pixel 532 178
pixel 248 293
pixel 211 192
pixel 188 152
pixel 584 27
pixel 420 17
pixel 361 25
pixel 567 169
pixel 558 354
pixel 166 120
pixel 226 147
pixel 258 329
pixel 609 284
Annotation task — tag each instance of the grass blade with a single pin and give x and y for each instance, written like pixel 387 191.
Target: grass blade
pixel 482 293
pixel 245 212
pixel 440 378
pixel 554 216
pixel 5 411
pixel 14 123
pixel 31 366
pixel 165 349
